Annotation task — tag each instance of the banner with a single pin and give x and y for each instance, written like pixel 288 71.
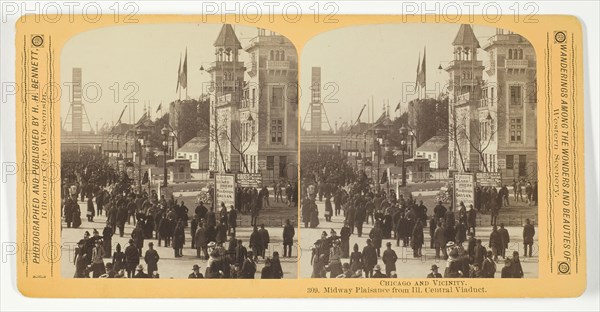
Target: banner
pixel 224 190
pixel 464 190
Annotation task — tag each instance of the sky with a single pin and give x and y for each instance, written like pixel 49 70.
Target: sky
pixel 145 56
pixel 358 63
pixel 375 62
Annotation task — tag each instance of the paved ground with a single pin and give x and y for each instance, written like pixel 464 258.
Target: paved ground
pixel 171 267
pixel 407 265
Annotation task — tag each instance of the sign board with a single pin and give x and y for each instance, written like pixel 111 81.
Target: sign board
pixel 501 163
pixel 464 190
pixel 224 190
pixel 249 179
pixel 489 179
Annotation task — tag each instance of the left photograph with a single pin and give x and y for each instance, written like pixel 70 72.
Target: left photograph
pixel 179 151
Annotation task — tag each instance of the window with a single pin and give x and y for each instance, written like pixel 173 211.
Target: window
pixel 277 131
pixel 510 161
pixel 272 55
pixel 515 129
pixel 277 97
pixel 515 96
pixel 253 96
pixel 270 162
pixel 522 165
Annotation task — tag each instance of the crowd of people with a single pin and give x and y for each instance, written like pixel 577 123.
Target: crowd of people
pixel 452 232
pixel 166 221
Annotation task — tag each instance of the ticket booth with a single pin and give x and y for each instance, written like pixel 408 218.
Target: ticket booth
pixel 179 170
pixel 417 169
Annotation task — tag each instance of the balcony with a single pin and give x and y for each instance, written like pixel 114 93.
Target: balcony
pixel 516 64
pixel 278 65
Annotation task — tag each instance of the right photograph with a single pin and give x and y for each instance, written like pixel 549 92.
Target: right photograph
pixel 418 153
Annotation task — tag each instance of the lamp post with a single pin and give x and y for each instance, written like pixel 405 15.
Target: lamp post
pixel 403 132
pixel 140 142
pixel 165 132
pixel 378 140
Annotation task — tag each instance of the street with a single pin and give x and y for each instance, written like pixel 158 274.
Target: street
pixel 169 266
pixel 407 265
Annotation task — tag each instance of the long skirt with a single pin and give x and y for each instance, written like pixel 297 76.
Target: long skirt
pixel 107 245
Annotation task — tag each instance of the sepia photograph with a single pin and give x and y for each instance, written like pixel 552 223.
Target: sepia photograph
pixel 419 153
pixel 179 150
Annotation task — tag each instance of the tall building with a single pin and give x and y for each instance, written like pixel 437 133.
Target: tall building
pixel 509 98
pixel 492 108
pixel 269 108
pixel 255 117
pixel 227 74
pixel 466 76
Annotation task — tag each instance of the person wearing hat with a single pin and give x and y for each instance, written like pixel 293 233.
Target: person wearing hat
pixel 389 259
pixel 345 234
pixel 507 270
pixel 266 239
pixel 480 253
pixel 195 272
pixel 249 267
pixel 151 257
pixel 516 265
pixel 132 258
pixel 335 260
pixel 288 238
pixel 377 272
pixel 475 271
pixel 256 243
pixel 267 271
pixel 434 272
pixel 488 268
pixel 97 259
pixel 369 254
pixel 140 272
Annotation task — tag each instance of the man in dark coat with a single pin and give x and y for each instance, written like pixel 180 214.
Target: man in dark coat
pixel 256 243
pixel 345 234
pixel 350 215
pixel 359 218
pixel 132 258
pixel 151 257
pixel 196 272
pixel 232 220
pixel 488 268
pixel 528 234
pixel 439 211
pixel 376 236
pixel 266 239
pixel 288 238
pixel 389 259
pixel 505 240
pixel 369 258
pixel 193 228
pixel 495 242
pixel 249 266
pixel 138 237
pixel 201 210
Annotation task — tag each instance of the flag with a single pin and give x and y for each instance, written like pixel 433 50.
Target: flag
pixel 397 107
pixel 121 116
pixel 159 107
pixel 183 74
pixel 421 76
pixel 178 74
pixel 360 114
pixel 418 71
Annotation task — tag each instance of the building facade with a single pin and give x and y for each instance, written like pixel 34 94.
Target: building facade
pixel 255 106
pixel 492 108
